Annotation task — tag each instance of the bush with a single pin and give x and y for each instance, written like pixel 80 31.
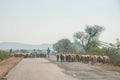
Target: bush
pixel 117 60
pixel 3 54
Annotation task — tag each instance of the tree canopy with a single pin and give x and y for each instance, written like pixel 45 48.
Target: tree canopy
pixel 89 38
pixel 63 46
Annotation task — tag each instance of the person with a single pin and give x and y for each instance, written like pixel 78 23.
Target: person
pixel 48 52
pixel 66 50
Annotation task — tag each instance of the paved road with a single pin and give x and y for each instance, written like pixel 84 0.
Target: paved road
pixel 83 71
pixel 37 69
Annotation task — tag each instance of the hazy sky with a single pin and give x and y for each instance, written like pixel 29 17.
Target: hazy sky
pixel 47 21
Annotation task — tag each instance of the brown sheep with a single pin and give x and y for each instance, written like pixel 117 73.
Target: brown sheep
pixel 106 59
pixel 73 57
pixel 67 57
pixel 62 57
pixel 94 59
pixel 82 58
pixel 100 59
pixel 78 57
pixel 57 56
pixel 87 58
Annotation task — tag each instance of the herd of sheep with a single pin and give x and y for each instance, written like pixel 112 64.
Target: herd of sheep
pixel 82 58
pixel 68 57
pixel 29 55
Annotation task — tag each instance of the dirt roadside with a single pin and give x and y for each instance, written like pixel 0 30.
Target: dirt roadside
pixel 7 65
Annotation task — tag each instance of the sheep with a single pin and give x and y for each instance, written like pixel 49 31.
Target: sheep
pixel 106 59
pixel 57 56
pixel 100 59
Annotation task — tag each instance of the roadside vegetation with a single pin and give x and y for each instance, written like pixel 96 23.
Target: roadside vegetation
pixel 87 42
pixel 3 54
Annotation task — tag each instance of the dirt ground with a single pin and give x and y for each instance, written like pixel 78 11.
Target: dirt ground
pixel 7 64
pixel 83 71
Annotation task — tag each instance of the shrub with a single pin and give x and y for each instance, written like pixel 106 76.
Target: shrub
pixel 117 60
pixel 3 54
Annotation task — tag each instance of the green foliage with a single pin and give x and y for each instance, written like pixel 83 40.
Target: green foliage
pixel 21 51
pixel 117 60
pixel 56 47
pixel 78 48
pixel 94 51
pixel 39 50
pixel 11 50
pixel 64 45
pixel 3 54
pixel 89 38
pixel 94 31
pixel 24 51
pixel 113 52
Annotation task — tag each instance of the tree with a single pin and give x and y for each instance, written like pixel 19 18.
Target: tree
pixel 118 43
pixel 56 47
pixel 63 46
pixel 23 51
pixel 34 50
pixel 10 50
pixel 89 38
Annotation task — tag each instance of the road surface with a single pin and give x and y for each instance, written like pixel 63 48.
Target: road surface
pixel 37 69
pixel 83 71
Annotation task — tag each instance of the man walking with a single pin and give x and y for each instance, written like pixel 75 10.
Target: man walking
pixel 48 52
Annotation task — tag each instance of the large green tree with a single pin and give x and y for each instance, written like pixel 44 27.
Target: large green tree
pixel 89 38
pixel 63 46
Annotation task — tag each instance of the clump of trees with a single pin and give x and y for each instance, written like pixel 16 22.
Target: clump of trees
pixel 3 54
pixel 86 41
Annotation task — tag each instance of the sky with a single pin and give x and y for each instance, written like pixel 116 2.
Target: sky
pixel 47 21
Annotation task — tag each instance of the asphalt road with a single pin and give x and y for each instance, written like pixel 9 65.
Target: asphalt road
pixel 83 71
pixel 37 69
